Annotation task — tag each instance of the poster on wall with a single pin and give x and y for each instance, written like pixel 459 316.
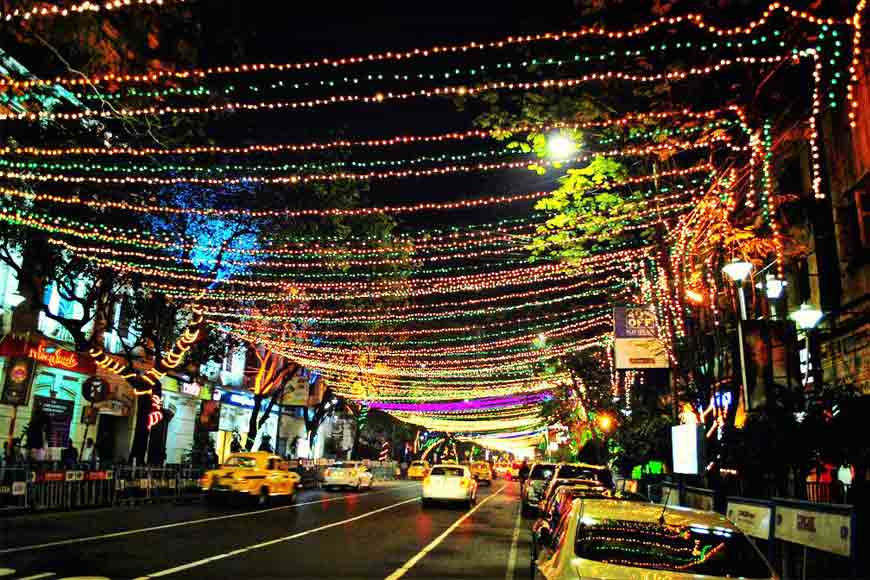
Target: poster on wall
pixel 19 376
pixel 771 360
pixel 60 414
pixel 209 416
pixel 636 343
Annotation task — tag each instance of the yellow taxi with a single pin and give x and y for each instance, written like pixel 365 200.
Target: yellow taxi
pixel 260 476
pixel 418 469
pixel 481 471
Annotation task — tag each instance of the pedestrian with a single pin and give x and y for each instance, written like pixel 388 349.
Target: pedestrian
pixel 235 444
pixel 266 443
pixel 37 433
pixel 69 455
pixel 523 473
pixel 89 455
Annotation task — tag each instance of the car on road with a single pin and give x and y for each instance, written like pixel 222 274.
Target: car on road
pixel 513 472
pixel 418 469
pixel 348 474
pixel 599 473
pixel 481 472
pixel 501 469
pixel 259 476
pixel 603 538
pixel 449 483
pixel 532 492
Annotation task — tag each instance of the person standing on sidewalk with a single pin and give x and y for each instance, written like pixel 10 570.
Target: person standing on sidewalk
pixel 37 434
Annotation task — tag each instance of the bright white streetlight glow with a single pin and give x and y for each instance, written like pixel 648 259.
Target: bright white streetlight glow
pixel 542 337
pixel 807 317
pixel 774 286
pixel 738 270
pixel 560 147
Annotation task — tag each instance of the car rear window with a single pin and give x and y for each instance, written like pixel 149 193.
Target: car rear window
pixel 448 471
pixel 580 472
pixel 246 462
pixel 542 472
pixel 685 549
pixel 417 463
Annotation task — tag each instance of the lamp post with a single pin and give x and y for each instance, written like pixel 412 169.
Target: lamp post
pixel 738 271
pixel 807 318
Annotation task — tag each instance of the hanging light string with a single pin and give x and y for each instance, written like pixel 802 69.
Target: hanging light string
pixel 332 212
pixel 399 140
pixel 377 98
pixel 292 179
pixel 40 11
pixel 693 19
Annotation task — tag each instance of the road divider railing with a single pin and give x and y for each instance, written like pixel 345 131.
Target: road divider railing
pixel 24 489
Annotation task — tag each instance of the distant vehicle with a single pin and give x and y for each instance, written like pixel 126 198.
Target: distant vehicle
pixel 601 538
pixel 259 476
pixel 351 474
pixel 532 492
pixel 418 470
pixel 481 472
pixel 449 462
pixel 501 469
pixel 513 472
pixel 449 483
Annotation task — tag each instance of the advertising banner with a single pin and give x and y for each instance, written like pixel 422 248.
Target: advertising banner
pixel 60 414
pixel 816 528
pixel 636 344
pixel 753 519
pixel 686 444
pixel 19 376
pixel 47 353
pixel 771 359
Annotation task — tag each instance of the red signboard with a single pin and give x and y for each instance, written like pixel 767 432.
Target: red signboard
pixel 47 353
pixel 51 476
pixel 96 475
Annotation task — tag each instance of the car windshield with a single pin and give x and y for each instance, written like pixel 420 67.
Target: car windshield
pixel 238 461
pixel 448 471
pixel 344 465
pixel 542 472
pixel 687 549
pixel 581 472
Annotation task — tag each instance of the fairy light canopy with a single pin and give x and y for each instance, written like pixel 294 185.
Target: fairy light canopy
pixel 449 317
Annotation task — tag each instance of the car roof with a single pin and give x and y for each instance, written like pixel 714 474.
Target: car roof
pixel 586 465
pixel 450 465
pixel 639 512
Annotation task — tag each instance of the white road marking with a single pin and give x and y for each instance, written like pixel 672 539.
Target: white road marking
pixel 268 543
pixel 187 523
pixel 36 576
pixel 7 571
pixel 512 557
pixel 434 543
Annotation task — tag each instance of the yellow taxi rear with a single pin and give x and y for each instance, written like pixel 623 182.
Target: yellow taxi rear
pixel 418 470
pixel 259 476
pixel 481 472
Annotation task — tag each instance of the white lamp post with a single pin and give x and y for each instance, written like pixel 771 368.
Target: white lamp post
pixel 738 271
pixel 807 318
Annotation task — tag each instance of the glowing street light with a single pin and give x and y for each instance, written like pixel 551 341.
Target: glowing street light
pixel 807 317
pixel 773 286
pixel 737 270
pixel 560 147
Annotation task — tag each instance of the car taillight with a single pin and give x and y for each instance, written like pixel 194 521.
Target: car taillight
pixel 427 480
pixel 203 481
pixel 463 482
pixel 327 473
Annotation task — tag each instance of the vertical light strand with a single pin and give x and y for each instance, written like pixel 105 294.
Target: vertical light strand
pixel 770 213
pixel 855 65
pixel 815 115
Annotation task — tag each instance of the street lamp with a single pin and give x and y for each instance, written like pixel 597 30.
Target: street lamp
pixel 807 317
pixel 738 271
pixel 560 147
pixel 773 286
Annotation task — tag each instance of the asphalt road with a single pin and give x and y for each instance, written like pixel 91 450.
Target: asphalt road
pixel 384 533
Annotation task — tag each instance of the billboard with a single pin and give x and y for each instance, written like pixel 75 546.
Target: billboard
pixel 636 343
pixel 687 448
pixel 19 376
pixel 771 360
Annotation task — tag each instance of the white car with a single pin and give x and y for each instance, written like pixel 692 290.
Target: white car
pixel 449 483
pixel 351 474
pixel 605 538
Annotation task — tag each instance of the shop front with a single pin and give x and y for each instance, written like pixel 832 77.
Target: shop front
pixel 235 417
pixel 183 401
pixel 36 371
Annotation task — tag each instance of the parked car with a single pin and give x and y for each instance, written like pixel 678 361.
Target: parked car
pixel 532 492
pixel 481 472
pixel 418 469
pixel 352 474
pixel 259 476
pixel 602 538
pixel 599 473
pixel 449 483
pixel 555 507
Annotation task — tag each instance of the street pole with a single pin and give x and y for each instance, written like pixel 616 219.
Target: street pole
pixel 740 320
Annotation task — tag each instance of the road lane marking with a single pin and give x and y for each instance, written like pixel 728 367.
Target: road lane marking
pixel 512 557
pixel 189 522
pixel 37 576
pixel 268 543
pixel 434 543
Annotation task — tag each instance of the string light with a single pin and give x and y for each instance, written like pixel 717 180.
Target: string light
pixel 445 91
pixel 52 11
pixel 855 64
pixel 692 19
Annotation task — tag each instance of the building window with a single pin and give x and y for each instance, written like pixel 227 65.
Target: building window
pixel 862 209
